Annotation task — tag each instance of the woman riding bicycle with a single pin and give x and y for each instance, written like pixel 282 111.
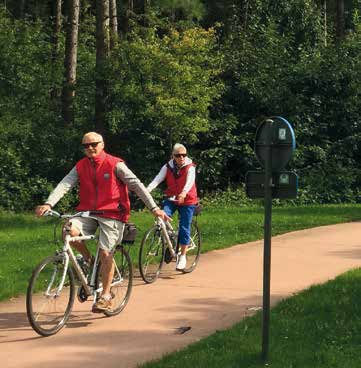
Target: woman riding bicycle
pixel 179 174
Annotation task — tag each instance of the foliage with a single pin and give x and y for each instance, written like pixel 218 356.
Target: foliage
pixel 162 88
pixel 17 189
pixel 177 77
pixel 266 75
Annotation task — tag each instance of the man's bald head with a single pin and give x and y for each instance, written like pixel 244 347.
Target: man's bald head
pixel 93 137
pixel 93 144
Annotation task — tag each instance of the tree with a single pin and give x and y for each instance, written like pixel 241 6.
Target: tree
pixel 70 61
pixel 102 55
pixel 113 23
pixel 21 8
pixel 324 5
pixel 57 23
pixel 340 20
pixel 162 89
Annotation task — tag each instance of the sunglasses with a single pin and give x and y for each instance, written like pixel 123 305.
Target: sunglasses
pixel 180 155
pixel 92 144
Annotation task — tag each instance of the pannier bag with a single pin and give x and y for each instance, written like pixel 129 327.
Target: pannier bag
pixel 130 232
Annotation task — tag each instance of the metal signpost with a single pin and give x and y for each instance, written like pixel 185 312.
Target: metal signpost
pixel 274 145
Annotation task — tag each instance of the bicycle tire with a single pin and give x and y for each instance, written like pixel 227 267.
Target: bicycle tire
pixel 48 311
pixel 194 250
pixel 123 277
pixel 151 255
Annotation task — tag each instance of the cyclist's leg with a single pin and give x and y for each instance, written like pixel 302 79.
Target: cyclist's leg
pixel 185 222
pixel 81 226
pixel 111 233
pixel 169 207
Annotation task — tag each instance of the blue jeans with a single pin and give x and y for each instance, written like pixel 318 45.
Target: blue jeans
pixel 185 219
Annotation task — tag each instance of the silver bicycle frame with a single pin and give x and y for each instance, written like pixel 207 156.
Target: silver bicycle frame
pixel 165 225
pixel 69 256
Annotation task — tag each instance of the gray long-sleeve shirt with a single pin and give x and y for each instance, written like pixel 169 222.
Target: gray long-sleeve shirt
pixel 122 172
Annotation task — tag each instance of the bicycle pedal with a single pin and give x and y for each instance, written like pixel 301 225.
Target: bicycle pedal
pixel 82 296
pixel 167 256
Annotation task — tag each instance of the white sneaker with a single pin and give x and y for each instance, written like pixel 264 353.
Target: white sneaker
pixel 182 262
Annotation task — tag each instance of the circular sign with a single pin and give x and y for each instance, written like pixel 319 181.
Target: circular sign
pixel 277 133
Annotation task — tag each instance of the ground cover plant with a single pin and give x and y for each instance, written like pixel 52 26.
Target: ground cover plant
pixel 25 240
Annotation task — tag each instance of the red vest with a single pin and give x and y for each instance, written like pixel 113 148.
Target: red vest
pixel 176 183
pixel 100 189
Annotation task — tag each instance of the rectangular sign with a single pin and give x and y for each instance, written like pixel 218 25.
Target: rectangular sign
pixel 284 184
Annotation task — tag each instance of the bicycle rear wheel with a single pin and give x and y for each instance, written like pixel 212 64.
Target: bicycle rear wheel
pixel 151 255
pixel 122 281
pixel 194 249
pixel 50 295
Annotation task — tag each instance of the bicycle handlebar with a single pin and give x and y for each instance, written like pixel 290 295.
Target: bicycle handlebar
pixel 77 214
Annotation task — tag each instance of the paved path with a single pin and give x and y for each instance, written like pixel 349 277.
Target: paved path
pixel 226 286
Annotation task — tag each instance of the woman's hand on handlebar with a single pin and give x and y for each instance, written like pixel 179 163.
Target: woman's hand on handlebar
pixel 40 210
pixel 181 197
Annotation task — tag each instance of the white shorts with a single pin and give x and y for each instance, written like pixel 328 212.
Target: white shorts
pixel 110 230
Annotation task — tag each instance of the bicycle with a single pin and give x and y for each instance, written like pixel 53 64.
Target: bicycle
pixel 51 290
pixel 160 245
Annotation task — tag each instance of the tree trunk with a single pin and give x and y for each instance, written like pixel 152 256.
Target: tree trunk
pixel 146 6
pixel 70 61
pixel 128 14
pixel 145 10
pixel 21 8
pixel 325 21
pixel 102 54
pixel 244 15
pixel 340 19
pixel 113 23
pixel 57 23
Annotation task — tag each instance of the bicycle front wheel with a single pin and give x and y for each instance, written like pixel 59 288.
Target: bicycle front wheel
pixel 50 295
pixel 151 255
pixel 122 282
pixel 194 249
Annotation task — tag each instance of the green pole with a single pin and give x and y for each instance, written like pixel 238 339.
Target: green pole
pixel 267 241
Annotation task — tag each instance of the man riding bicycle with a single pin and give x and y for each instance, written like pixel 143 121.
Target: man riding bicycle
pixel 179 174
pixel 103 187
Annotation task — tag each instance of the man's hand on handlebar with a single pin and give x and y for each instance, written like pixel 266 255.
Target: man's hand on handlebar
pixel 40 210
pixel 160 213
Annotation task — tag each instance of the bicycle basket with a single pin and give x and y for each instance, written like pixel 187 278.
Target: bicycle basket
pixel 197 209
pixel 129 234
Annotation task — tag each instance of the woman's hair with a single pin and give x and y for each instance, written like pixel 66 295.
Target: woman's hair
pixel 177 147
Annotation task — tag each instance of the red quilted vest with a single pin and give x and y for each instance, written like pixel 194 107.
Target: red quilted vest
pixel 100 190
pixel 176 183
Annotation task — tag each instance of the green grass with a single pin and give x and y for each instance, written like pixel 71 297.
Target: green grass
pixel 318 328
pixel 25 240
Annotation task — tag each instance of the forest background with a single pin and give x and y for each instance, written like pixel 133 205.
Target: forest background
pixel 149 73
